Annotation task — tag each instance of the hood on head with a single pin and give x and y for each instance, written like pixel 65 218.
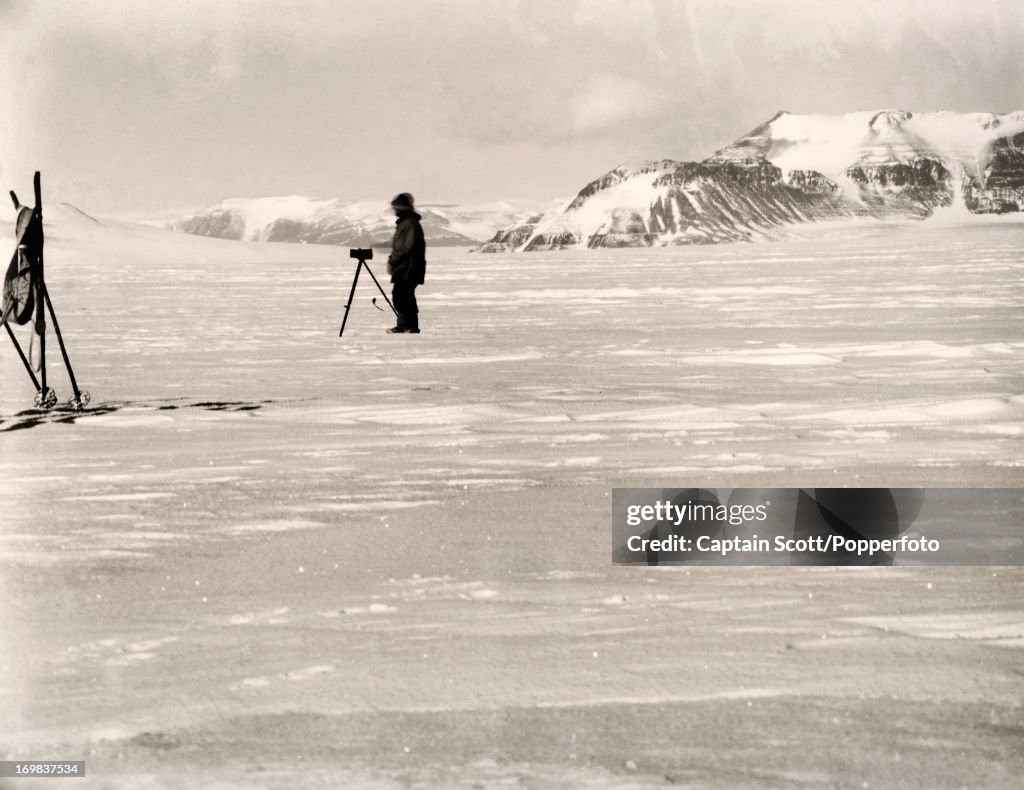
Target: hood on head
pixel 403 201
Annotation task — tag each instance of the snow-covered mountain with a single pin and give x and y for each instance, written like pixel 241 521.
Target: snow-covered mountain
pixel 363 223
pixel 794 168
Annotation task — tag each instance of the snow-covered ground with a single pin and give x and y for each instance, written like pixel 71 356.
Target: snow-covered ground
pixel 273 558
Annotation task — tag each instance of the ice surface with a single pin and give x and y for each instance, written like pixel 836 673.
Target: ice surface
pixel 276 544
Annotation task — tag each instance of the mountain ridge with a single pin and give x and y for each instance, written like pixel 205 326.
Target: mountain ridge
pixel 793 168
pixel 364 223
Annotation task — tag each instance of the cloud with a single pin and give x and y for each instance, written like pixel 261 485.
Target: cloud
pixel 172 101
pixel 606 101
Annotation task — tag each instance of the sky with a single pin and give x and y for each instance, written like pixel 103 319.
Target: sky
pixel 155 105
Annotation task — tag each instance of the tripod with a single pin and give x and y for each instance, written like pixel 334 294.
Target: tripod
pixel 363 256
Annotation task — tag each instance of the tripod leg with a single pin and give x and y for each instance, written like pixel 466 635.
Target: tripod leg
pixel 379 288
pixel 60 342
pixel 351 296
pixel 24 359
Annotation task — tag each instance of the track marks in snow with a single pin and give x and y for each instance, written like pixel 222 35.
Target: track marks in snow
pixel 916 412
pixel 275 616
pixel 998 629
pixel 122 414
pixel 287 676
pixel 271 525
pixel 443 588
pixel 115 652
pixel 373 608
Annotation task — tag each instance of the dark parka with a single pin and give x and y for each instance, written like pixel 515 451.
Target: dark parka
pixel 407 262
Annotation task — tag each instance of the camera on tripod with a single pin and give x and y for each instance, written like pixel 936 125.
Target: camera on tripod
pixel 363 255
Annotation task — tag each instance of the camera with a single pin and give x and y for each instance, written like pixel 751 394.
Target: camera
pixel 363 255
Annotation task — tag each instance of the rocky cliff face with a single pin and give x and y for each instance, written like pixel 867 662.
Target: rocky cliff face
pixel 514 236
pixel 1000 189
pixel 913 188
pixel 791 169
pixel 1005 169
pixel 219 223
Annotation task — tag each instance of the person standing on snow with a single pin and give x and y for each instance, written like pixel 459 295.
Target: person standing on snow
pixel 407 264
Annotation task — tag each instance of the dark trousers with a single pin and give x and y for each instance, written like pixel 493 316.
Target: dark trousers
pixel 403 296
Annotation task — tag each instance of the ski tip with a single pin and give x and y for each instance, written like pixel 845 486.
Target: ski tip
pixel 14 199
